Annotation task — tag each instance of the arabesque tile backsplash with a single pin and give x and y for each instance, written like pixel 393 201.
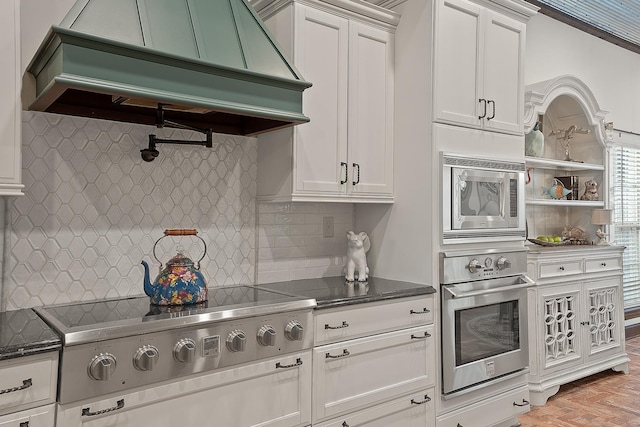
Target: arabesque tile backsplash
pixel 93 209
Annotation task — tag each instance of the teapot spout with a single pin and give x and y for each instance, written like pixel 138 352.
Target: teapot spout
pixel 148 287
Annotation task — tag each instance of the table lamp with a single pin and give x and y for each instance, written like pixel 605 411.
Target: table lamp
pixel 601 217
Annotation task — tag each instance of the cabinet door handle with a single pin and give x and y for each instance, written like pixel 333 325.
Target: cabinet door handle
pixel 423 337
pixel 346 172
pixel 424 311
pixel 484 114
pixel 25 384
pixel 292 365
pixel 344 353
pixel 86 412
pixel 356 172
pixel 493 109
pixel 524 403
pixel 420 402
pixel 344 325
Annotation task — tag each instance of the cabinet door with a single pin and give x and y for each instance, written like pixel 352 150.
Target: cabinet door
pixel 353 374
pixel 320 151
pixel 503 73
pixel 458 52
pixel 605 315
pixel 10 107
pixel 259 394
pixel 559 313
pixel 371 56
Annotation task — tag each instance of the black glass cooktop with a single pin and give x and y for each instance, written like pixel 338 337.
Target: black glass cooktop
pixel 121 316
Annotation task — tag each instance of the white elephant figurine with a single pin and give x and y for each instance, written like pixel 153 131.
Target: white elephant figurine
pixel 357 247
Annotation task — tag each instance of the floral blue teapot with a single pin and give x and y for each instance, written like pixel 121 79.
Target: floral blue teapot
pixel 180 282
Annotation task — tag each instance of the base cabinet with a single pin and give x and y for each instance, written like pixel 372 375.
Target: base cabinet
pixel 273 393
pixel 577 326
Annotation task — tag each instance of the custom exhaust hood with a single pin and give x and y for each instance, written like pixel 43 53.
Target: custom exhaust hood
pixel 208 64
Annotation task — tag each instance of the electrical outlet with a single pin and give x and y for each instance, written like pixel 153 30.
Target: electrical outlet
pixel 327 226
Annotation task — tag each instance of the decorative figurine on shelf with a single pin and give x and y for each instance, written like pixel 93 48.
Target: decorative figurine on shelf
pixel 573 233
pixel 357 247
pixel 565 136
pixel 534 142
pixel 590 190
pixel 556 191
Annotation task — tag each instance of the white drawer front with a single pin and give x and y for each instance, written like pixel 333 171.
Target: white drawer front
pixel 366 319
pixel 413 410
pixel 602 264
pixel 353 374
pixel 33 378
pixel 560 268
pixel 490 411
pixel 43 416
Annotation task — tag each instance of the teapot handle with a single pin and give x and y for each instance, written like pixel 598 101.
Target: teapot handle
pixel 181 232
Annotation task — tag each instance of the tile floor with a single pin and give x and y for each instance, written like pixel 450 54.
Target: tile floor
pixel 607 399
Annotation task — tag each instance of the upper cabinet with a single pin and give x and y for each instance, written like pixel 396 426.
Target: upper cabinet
pixel 478 65
pixel 345 153
pixel 570 148
pixel 10 106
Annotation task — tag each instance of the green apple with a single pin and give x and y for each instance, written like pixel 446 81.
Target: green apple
pixel 543 238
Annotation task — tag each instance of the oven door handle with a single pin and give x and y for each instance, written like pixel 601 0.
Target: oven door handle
pixel 454 295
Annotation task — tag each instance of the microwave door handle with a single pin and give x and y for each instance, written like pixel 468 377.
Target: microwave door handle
pixel 454 295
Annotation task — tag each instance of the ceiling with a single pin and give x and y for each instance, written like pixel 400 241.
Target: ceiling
pixel 616 21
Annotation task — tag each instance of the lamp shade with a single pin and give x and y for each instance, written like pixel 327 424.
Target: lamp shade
pixel 600 216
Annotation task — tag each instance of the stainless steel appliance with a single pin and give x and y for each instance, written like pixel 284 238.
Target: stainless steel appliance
pixel 119 344
pixel 482 199
pixel 484 317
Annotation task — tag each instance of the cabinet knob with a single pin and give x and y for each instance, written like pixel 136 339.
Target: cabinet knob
pixel 561 268
pixel 604 264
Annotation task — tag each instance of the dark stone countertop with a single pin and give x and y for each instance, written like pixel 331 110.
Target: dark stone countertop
pixel 23 333
pixel 331 292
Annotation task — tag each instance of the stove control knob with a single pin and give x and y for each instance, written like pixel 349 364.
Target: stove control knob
pixel 146 358
pixel 184 350
pixel 236 341
pixel 503 263
pixel 473 265
pixel 293 331
pixel 102 366
pixel 267 335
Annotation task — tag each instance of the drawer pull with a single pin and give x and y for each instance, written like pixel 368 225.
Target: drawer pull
pixel 24 424
pixel 25 384
pixel 423 337
pixel 292 365
pixel 604 264
pixel 420 402
pixel 344 424
pixel 86 412
pixel 524 403
pixel 330 356
pixel 562 268
pixel 424 311
pixel 344 325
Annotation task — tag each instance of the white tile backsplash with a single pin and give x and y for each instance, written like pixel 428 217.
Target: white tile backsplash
pixel 93 209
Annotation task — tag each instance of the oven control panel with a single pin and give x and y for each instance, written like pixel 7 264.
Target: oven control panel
pixel 124 363
pixel 464 266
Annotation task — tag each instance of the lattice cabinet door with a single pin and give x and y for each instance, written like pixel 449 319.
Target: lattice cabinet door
pixel 560 312
pixel 605 315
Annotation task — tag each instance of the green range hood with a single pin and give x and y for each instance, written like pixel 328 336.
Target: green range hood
pixel 211 64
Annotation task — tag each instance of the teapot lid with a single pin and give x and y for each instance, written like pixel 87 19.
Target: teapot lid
pixel 180 258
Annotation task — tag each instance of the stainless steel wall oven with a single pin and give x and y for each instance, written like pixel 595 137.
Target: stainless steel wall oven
pixel 484 317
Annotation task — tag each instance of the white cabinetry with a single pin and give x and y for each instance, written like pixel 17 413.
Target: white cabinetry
pixel 365 376
pixel 29 386
pixel 345 153
pixel 10 105
pixel 250 395
pixel 479 75
pixel 576 327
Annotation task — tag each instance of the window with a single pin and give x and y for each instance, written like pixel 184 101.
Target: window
pixel 625 202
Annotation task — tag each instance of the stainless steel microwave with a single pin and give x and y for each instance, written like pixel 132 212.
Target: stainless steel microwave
pixel 482 199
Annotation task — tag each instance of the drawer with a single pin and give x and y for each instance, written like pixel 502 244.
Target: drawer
pixel 42 416
pixel 560 268
pixel 371 318
pixel 594 265
pixel 28 382
pixel 491 411
pixel 354 374
pixel 413 410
